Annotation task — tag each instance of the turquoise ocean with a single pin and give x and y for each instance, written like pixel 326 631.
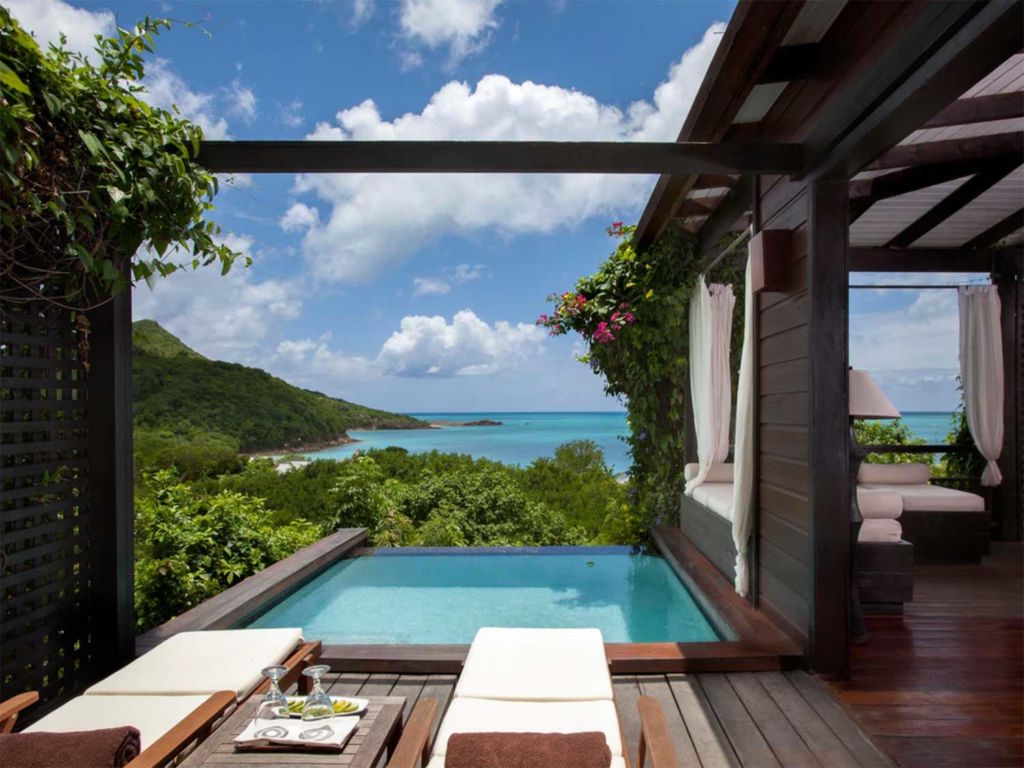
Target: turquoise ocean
pixel 523 437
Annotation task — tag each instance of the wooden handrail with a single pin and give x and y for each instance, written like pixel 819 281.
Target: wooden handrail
pixel 195 727
pixel 940 448
pixel 414 746
pixel 654 738
pixel 9 709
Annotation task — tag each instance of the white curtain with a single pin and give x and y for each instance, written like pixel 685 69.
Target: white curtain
pixel 710 389
pixel 743 459
pixel 981 371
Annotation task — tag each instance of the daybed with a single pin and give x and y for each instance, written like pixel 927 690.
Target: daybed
pixel 944 524
pixel 533 681
pixel 175 693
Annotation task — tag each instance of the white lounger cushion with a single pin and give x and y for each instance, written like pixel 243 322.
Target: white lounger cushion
pixel 879 505
pixel 438 762
pixel 880 530
pixel 536 665
pixel 152 715
pixel 933 498
pixel 715 496
pixel 718 473
pixel 467 715
pixel 899 474
pixel 202 663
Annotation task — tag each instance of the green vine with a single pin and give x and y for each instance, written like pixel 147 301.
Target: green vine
pixel 633 313
pixel 99 189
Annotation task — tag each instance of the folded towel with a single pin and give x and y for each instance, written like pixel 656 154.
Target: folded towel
pixel 528 750
pixel 103 748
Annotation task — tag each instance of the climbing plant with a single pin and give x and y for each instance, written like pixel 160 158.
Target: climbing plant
pixel 93 178
pixel 633 313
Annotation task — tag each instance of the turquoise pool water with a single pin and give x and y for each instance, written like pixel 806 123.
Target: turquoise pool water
pixel 432 596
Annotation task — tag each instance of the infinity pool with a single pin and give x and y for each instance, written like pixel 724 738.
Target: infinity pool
pixel 402 596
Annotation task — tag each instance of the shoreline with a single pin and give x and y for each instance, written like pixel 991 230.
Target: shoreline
pixel 313 445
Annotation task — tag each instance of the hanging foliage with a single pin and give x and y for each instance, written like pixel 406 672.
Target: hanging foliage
pixel 633 313
pixel 94 180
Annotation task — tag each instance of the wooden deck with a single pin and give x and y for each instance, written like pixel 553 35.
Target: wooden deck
pixel 943 685
pixel 751 719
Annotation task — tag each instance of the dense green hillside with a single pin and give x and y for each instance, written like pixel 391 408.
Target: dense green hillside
pixel 180 393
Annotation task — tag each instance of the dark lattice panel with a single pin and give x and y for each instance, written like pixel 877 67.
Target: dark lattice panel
pixel 45 631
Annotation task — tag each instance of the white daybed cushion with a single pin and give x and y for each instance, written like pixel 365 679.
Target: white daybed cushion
pixel 203 663
pixel 152 715
pixel 467 715
pixel 898 474
pixel 880 530
pixel 933 498
pixel 879 505
pixel 715 496
pixel 438 762
pixel 536 665
pixel 718 473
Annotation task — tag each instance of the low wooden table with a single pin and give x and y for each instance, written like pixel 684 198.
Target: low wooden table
pixel 379 731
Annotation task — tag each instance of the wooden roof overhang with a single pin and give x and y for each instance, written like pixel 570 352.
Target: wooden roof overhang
pixel 921 105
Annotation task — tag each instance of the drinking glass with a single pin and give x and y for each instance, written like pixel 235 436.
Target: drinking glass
pixel 274 704
pixel 318 704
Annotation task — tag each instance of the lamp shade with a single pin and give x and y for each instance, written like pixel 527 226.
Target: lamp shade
pixel 867 400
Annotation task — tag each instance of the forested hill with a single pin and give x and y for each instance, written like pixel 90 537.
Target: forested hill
pixel 180 393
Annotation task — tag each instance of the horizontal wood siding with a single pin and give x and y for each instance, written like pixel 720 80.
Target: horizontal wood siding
pixel 711 533
pixel 783 407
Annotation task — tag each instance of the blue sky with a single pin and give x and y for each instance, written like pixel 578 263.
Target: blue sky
pixel 419 293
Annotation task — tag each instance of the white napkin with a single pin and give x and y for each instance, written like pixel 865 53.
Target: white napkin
pixel 329 733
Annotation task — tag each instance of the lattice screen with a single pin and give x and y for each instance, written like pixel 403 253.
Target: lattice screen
pixel 45 635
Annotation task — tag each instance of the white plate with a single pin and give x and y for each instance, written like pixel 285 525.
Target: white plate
pixel 361 705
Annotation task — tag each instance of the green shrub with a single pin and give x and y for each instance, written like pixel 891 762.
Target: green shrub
pixel 894 432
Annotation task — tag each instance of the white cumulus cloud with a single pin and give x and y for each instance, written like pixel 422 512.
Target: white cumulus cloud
pixel 47 19
pixel 242 100
pixel 465 272
pixel 431 346
pixel 298 217
pixel 464 26
pixel 429 286
pixel 376 221
pixel 166 89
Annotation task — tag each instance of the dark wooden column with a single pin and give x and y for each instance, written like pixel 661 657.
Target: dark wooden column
pixel 828 449
pixel 111 478
pixel 1009 499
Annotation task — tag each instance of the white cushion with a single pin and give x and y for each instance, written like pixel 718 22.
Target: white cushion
pixel 488 715
pixel 438 762
pixel 152 715
pixel 902 474
pixel 933 498
pixel 880 530
pixel 536 665
pixel 717 472
pixel 879 505
pixel 203 663
pixel 715 496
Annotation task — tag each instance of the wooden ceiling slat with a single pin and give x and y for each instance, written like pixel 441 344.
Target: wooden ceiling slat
pixel 980 109
pixel 955 201
pixel 997 232
pixel 952 150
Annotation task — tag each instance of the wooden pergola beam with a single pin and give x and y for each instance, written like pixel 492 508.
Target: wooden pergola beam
pixel 795 62
pixel 882 259
pixel 723 219
pixel 997 232
pixel 980 109
pixel 498 157
pixel 970 149
pixel 956 200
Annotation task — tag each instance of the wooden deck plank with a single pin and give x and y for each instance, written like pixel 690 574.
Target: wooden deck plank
pixel 409 687
pixel 627 691
pixel 657 687
pixel 346 683
pixel 782 737
pixel 739 726
pixel 378 685
pixel 440 687
pixel 712 745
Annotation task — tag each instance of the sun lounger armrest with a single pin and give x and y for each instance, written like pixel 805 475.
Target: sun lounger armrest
pixel 654 738
pixel 304 656
pixel 9 709
pixel 414 747
pixel 196 726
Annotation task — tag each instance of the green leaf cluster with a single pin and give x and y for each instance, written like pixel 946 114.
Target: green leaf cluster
pixel 894 432
pixel 99 189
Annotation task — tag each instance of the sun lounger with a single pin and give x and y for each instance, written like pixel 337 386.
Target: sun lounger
pixel 175 693
pixel 533 681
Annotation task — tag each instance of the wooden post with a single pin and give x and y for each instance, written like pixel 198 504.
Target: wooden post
pixel 111 480
pixel 1009 507
pixel 828 449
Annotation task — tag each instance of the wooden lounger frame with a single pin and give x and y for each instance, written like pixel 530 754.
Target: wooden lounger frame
pixel 197 725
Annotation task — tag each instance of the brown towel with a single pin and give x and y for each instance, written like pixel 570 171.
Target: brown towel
pixel 103 748
pixel 528 750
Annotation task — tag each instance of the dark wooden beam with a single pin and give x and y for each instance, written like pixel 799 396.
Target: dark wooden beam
pixel 795 62
pixel 703 206
pixel 980 109
pixel 955 201
pixel 864 193
pixel 872 259
pixel 723 219
pixel 975 148
pixel 997 232
pixel 713 181
pixel 954 45
pixel 497 157
pixel 1008 514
